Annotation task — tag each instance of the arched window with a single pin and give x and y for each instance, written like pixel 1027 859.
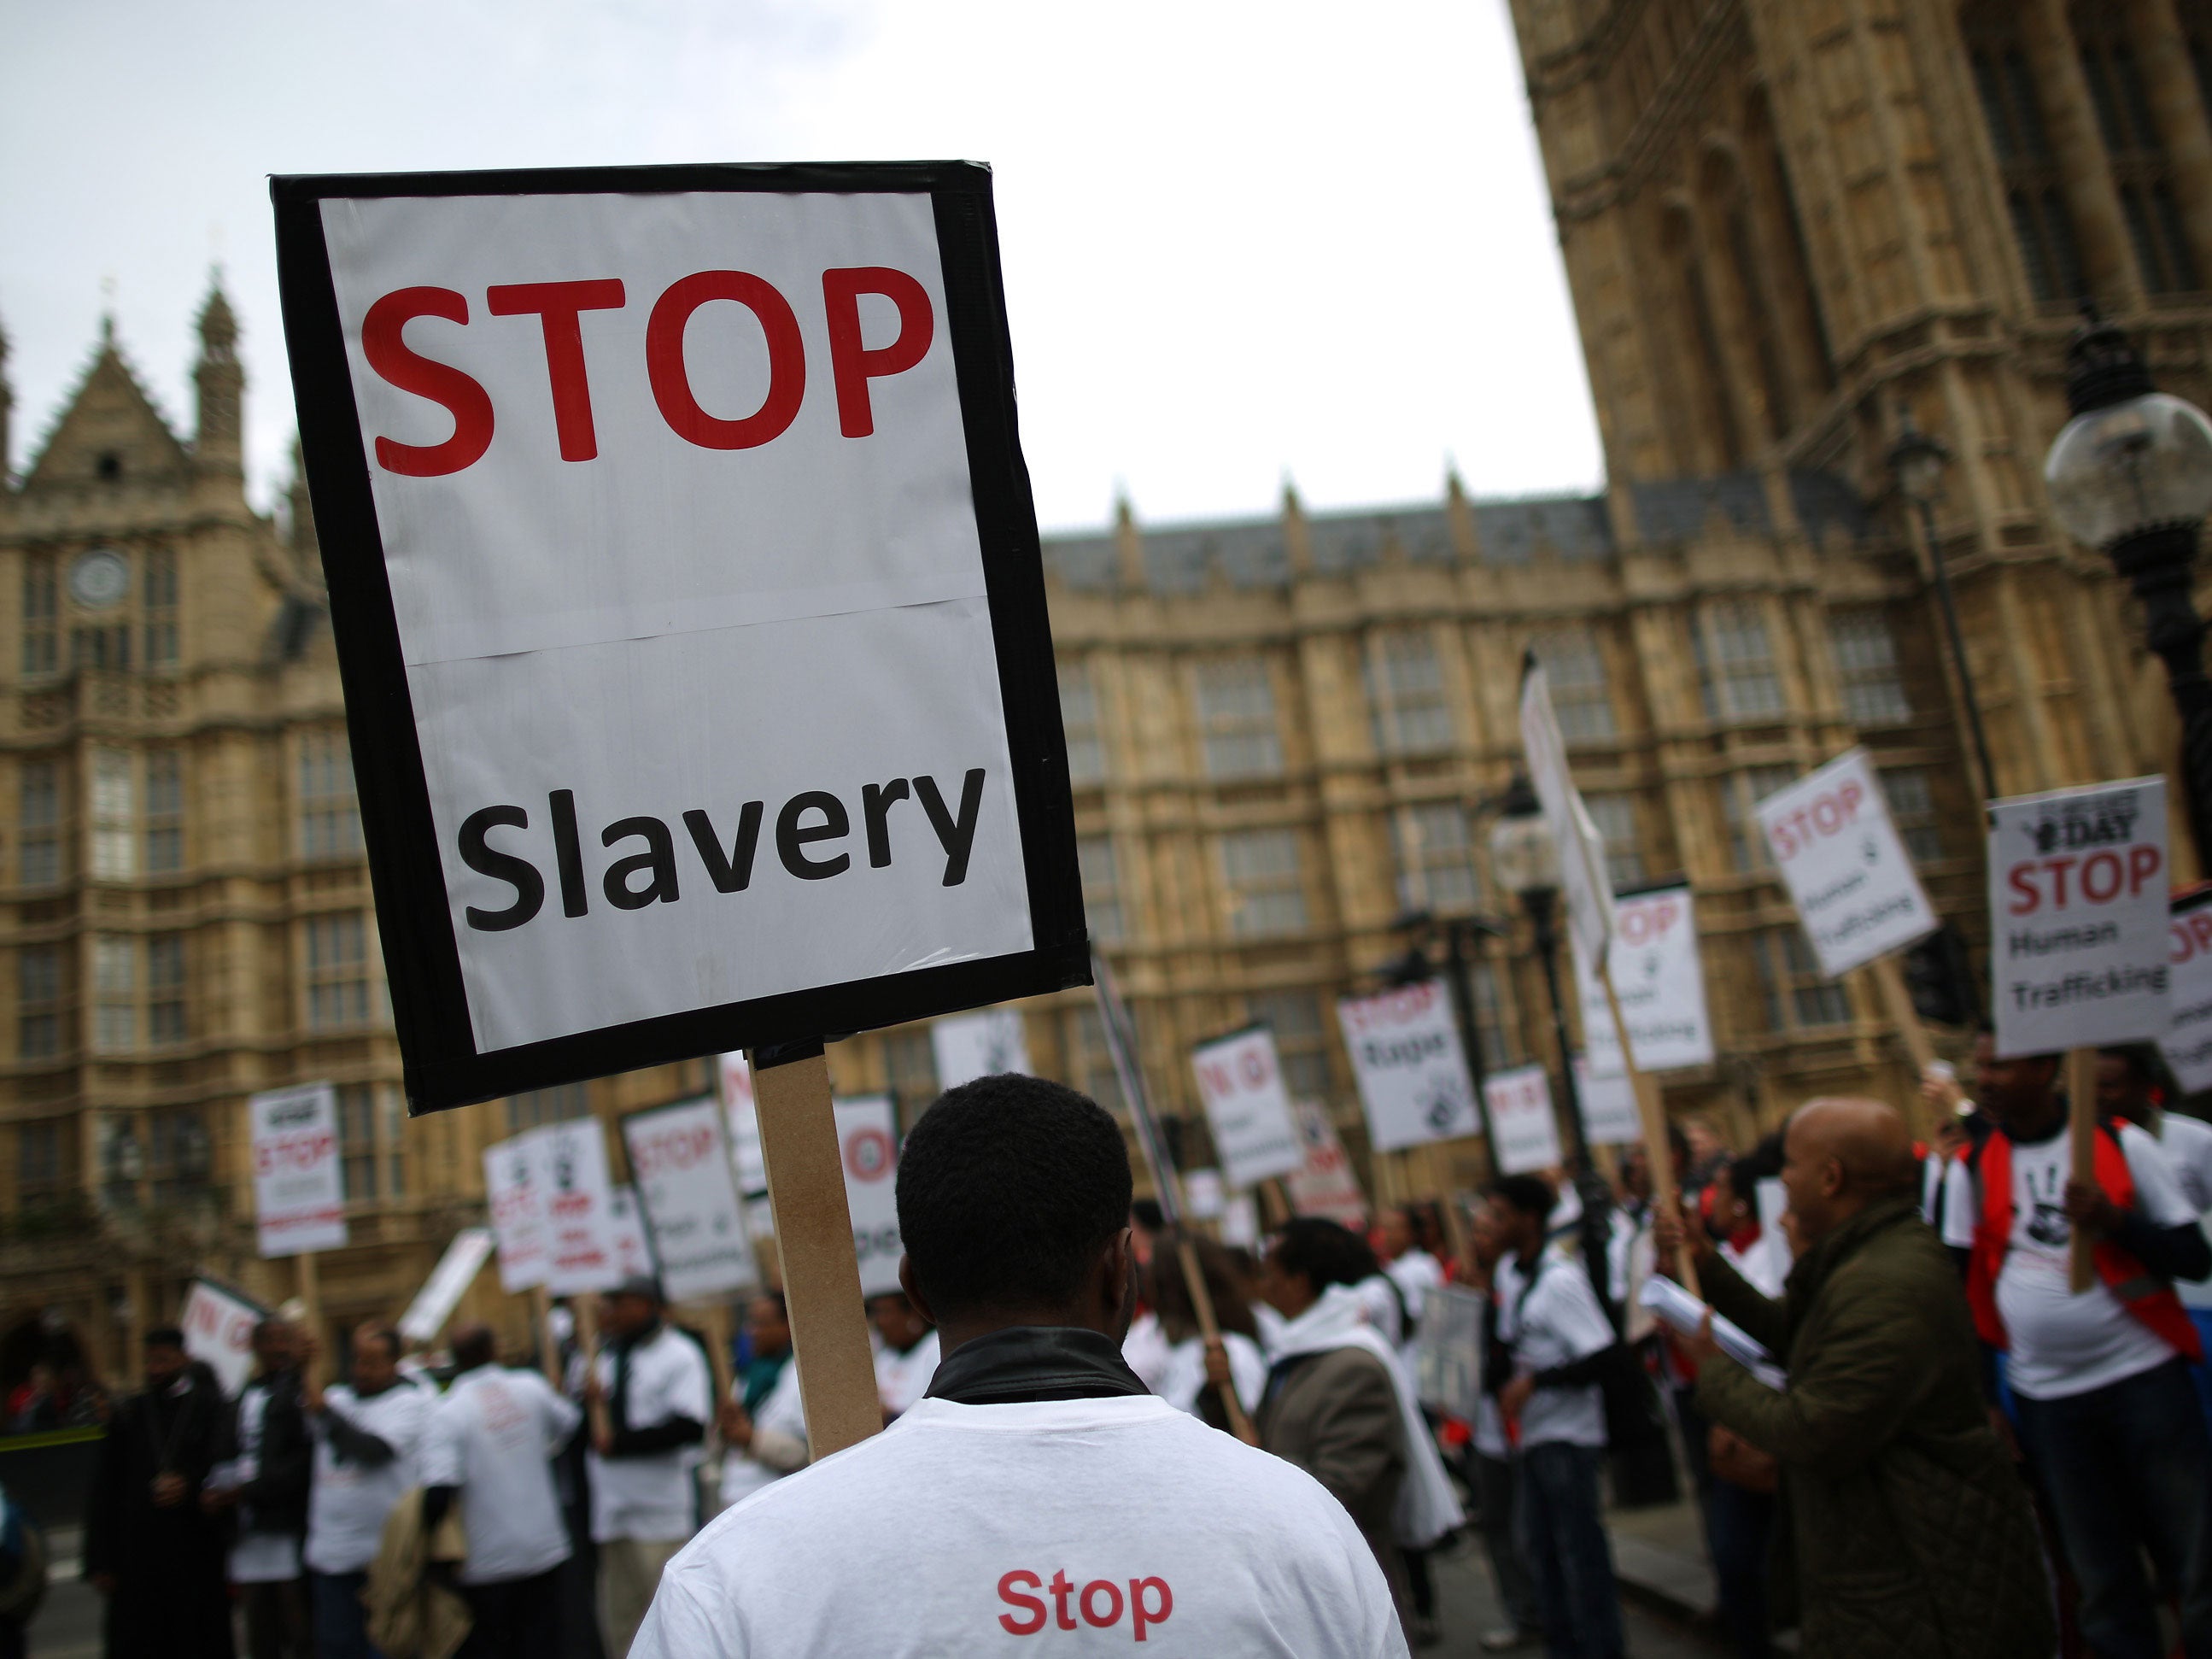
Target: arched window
pixel 2028 169
pixel 2142 176
pixel 1703 377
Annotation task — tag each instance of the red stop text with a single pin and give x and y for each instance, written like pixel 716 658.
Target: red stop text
pixel 2064 880
pixel 1100 1603
pixel 1825 815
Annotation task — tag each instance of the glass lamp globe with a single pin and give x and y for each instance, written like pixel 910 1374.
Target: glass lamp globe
pixel 1522 855
pixel 2136 465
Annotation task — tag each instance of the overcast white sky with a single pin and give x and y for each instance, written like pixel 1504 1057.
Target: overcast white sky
pixel 1242 242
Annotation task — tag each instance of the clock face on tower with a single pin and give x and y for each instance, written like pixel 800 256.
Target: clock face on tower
pixel 100 579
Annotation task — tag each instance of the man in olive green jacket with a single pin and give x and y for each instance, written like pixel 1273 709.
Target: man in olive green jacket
pixel 1903 1529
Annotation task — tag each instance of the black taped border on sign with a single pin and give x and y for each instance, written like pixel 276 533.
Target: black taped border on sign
pixel 442 1066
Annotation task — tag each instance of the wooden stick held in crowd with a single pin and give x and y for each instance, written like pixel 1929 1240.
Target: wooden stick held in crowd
pixel 1209 1331
pixel 1653 1115
pixel 2081 1129
pixel 600 1421
pixel 310 1292
pixel 549 1345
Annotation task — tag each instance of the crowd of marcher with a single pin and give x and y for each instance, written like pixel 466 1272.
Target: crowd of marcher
pixel 1945 1452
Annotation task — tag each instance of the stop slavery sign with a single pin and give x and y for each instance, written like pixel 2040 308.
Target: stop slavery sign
pixel 685 585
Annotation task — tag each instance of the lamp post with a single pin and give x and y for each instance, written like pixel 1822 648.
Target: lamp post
pixel 1917 461
pixel 2131 475
pixel 1526 862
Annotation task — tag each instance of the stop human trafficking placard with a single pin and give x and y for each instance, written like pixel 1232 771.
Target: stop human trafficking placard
pixel 684 578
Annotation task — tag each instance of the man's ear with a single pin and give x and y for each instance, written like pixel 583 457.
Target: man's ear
pixel 913 1289
pixel 1833 1177
pixel 1117 1266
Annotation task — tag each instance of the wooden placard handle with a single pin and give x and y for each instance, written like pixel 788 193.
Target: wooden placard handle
pixel 1209 1329
pixel 549 1346
pixel 309 1288
pixel 1653 1116
pixel 2082 1132
pixel 814 1239
pixel 1897 1003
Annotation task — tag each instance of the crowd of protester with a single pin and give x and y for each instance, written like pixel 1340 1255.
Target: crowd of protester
pixel 1950 1454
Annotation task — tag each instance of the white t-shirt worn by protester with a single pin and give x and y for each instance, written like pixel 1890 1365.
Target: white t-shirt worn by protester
pixel 1551 1317
pixel 2062 1344
pixel 2187 1144
pixel 494 1435
pixel 258 1557
pixel 782 1411
pixel 350 1501
pixel 1185 1375
pixel 1090 1523
pixel 652 1495
pixel 903 1378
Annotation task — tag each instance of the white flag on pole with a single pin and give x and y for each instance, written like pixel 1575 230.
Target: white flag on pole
pixel 1583 877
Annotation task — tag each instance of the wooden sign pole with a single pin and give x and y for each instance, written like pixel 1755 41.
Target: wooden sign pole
pixel 549 1346
pixel 1897 1001
pixel 2081 1130
pixel 309 1287
pixel 1209 1330
pixel 586 1310
pixel 1275 1199
pixel 1654 1118
pixel 814 1236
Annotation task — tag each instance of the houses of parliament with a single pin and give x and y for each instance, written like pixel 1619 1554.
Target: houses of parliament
pixel 1788 225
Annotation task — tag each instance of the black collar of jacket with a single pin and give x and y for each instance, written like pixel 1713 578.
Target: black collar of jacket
pixel 1034 1362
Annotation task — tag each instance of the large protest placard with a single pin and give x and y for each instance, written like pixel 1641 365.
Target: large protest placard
pixel 685 585
pixel 1409 1067
pixel 2186 1042
pixel 578 1208
pixel 1326 1184
pixel 1660 978
pixel 1240 1082
pixel 448 1283
pixel 1447 1352
pixel 981 1044
pixel 680 1164
pixel 2081 937
pixel 515 1193
pixel 299 1187
pixel 1524 1134
pixel 218 1324
pixel 626 1235
pixel 1846 868
pixel 1608 1106
pixel 867 1142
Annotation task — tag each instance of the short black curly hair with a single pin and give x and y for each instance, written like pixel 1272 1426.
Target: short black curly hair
pixel 1324 1252
pixel 1008 1189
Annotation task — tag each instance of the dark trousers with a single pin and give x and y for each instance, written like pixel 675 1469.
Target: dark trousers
pixel 277 1625
pixel 2129 1471
pixel 1738 1526
pixel 1509 1567
pixel 1563 1536
pixel 514 1619
pixel 340 1621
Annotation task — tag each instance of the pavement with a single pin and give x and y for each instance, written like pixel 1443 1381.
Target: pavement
pixel 1667 1599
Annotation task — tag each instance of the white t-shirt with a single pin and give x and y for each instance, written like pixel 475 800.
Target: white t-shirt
pixel 903 1378
pixel 1270 1324
pixel 1093 1522
pixel 1146 1349
pixel 1378 1305
pixel 2060 1344
pixel 1415 1273
pixel 2187 1144
pixel 1558 1322
pixel 653 1496
pixel 257 1557
pixel 348 1503
pixel 494 1435
pixel 781 1412
pixel 1754 1265
pixel 1186 1372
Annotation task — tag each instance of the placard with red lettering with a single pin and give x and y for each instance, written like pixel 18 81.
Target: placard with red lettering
pixel 218 1325
pixel 578 1208
pixel 299 1187
pixel 685 585
pixel 680 1164
pixel 1844 864
pixel 515 1193
pixel 1524 1135
pixel 1240 1082
pixel 633 1250
pixel 867 1141
pixel 2186 1042
pixel 2080 940
pixel 1326 1184
pixel 1409 1067
pixel 1660 979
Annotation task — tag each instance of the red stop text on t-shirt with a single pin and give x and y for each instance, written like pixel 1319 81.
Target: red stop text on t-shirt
pixel 1101 1603
pixel 704 299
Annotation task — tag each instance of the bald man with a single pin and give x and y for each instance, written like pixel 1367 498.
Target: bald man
pixel 1904 1529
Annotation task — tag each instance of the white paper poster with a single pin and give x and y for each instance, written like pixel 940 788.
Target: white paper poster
pixel 1844 864
pixel 745 1158
pixel 680 1164
pixel 633 1250
pixel 867 1141
pixel 2186 1042
pixel 2081 937
pixel 1609 1114
pixel 1240 1221
pixel 1203 1195
pixel 1326 1184
pixel 1660 979
pixel 1411 1071
pixel 643 451
pixel 1525 1134
pixel 448 1283
pixel 218 1325
pixel 1447 1352
pixel 299 1188
pixel 981 1044
pixel 1241 1083
pixel 578 1208
pixel 514 1192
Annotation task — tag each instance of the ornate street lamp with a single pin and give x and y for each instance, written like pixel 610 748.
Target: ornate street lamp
pixel 1525 861
pixel 1917 461
pixel 2131 475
